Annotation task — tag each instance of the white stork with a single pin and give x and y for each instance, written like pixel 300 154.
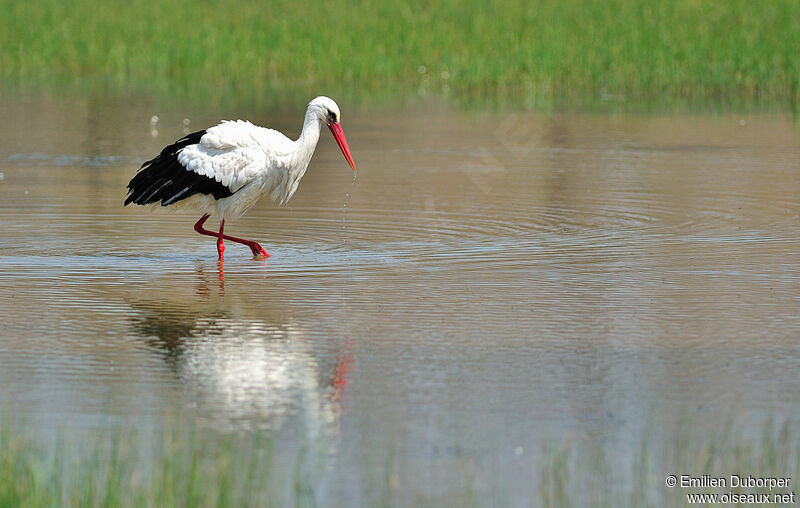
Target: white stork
pixel 225 169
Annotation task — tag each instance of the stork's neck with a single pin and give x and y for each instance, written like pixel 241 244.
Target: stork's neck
pixel 303 150
pixel 309 137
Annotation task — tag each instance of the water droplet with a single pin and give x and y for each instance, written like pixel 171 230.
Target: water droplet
pixel 2 175
pixel 154 133
pixel 422 69
pixel 346 194
pixel 742 121
pixel 26 192
pixel 154 119
pixel 186 121
pixel 445 75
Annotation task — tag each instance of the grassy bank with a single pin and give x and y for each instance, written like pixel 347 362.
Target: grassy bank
pixel 192 467
pixel 533 53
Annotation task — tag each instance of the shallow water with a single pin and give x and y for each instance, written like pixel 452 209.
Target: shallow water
pixel 489 283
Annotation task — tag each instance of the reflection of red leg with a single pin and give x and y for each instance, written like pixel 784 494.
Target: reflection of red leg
pixel 344 361
pixel 256 248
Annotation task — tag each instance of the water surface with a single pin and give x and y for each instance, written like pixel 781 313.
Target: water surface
pixel 489 284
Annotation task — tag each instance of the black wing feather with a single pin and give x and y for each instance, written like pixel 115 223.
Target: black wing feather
pixel 164 179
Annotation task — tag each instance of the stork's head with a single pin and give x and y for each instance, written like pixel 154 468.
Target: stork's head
pixel 327 111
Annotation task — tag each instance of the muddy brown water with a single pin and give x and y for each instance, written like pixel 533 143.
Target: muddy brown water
pixel 490 283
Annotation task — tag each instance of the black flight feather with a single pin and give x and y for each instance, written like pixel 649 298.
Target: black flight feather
pixel 164 179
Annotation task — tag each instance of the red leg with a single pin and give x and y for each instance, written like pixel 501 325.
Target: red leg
pixel 255 247
pixel 220 245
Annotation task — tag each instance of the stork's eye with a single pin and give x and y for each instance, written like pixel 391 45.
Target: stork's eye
pixel 331 117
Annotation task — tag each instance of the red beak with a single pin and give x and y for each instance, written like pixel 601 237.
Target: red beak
pixel 338 134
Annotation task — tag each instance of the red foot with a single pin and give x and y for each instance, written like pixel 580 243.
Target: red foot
pixel 258 251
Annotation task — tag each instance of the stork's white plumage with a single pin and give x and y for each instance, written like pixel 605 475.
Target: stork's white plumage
pixel 225 169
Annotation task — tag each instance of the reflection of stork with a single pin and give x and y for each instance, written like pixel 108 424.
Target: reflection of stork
pixel 252 370
pixel 225 169
pixel 241 371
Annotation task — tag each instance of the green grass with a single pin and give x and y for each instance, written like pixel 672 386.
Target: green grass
pixel 533 53
pixel 189 466
pixel 110 469
pixel 583 474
